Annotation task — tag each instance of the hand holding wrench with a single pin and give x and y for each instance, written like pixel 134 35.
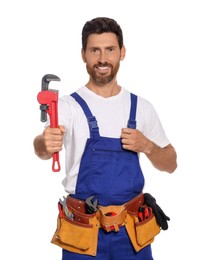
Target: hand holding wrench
pixel 48 99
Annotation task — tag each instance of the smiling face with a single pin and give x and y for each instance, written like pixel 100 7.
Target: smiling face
pixel 102 57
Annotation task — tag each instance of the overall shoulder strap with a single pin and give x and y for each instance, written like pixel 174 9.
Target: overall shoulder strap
pixel 132 116
pixel 92 122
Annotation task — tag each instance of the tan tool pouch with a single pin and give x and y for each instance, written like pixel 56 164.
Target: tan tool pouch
pixel 142 233
pixel 75 236
pixel 111 223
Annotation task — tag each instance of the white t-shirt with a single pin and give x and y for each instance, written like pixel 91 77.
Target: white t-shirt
pixel 112 115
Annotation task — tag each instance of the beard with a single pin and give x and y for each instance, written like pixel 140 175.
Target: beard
pixel 102 79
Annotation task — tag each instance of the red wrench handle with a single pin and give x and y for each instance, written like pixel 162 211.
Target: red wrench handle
pixel 56 162
pixel 53 113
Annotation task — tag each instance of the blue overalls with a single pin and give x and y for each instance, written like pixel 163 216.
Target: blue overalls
pixel 113 175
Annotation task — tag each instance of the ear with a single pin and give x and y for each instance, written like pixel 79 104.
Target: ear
pixel 123 52
pixel 83 55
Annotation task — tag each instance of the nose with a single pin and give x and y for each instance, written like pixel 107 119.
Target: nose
pixel 102 57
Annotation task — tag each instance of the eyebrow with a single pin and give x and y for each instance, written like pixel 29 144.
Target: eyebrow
pixel 106 47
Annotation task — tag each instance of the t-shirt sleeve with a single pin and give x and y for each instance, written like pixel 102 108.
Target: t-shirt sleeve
pixel 149 123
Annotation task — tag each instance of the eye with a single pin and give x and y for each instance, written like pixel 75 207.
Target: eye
pixel 95 50
pixel 110 49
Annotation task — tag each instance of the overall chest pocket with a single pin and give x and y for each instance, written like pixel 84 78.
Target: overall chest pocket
pixel 112 172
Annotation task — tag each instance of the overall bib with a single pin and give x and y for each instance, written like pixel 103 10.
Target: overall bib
pixel 113 175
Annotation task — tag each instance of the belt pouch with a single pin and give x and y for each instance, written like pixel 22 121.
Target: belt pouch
pixel 146 230
pixel 112 222
pixel 77 237
pixel 141 234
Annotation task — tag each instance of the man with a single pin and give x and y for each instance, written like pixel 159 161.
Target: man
pixel 104 128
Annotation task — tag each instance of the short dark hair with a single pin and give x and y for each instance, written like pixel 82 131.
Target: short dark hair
pixel 101 25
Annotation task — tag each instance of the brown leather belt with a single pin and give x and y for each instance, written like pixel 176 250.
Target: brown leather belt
pixel 133 205
pixel 77 208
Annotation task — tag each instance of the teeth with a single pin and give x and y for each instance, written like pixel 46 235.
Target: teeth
pixel 102 68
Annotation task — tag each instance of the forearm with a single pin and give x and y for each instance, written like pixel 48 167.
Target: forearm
pixel 40 148
pixel 164 159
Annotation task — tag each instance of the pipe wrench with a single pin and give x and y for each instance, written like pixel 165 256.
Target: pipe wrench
pixel 48 100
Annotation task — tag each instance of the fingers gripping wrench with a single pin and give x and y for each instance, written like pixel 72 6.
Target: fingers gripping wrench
pixel 48 99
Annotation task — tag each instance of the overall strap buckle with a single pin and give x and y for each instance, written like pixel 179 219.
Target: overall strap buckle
pixel 133 110
pixel 93 126
pixel 92 122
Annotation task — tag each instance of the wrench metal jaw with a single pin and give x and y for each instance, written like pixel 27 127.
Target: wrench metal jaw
pixel 91 205
pixel 68 213
pixel 46 80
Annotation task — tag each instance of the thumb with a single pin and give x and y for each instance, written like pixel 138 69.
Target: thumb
pixel 62 129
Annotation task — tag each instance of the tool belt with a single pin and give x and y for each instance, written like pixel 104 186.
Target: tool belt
pixel 78 232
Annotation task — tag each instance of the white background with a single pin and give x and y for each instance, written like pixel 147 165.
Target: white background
pixel 166 63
